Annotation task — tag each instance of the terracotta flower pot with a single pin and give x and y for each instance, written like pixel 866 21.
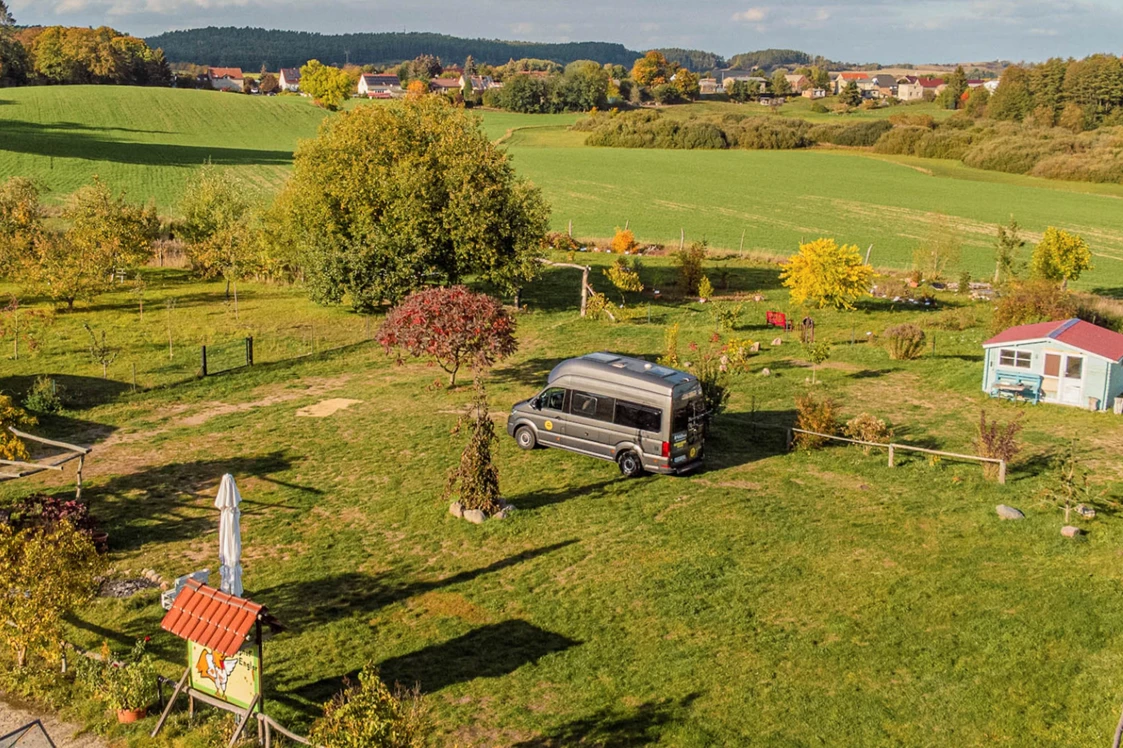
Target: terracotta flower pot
pixel 100 540
pixel 125 716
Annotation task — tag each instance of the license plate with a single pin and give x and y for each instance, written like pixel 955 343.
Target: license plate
pixel 680 458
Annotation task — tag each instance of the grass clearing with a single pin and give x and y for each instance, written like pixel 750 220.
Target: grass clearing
pixel 773 599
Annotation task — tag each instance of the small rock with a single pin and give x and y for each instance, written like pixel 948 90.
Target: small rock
pixel 502 513
pixel 758 297
pixel 777 341
pixel 1086 512
pixel 1008 512
pixel 456 509
pixel 475 516
pixel 863 487
pixel 766 372
pixel 1071 532
pixel 755 347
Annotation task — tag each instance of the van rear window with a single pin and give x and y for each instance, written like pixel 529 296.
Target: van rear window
pixel 687 415
pixel 592 406
pixel 633 416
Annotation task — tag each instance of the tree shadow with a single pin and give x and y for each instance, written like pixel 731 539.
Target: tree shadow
pixel 86 144
pixel 313 602
pixel 76 392
pixel 744 437
pixel 545 497
pixel 869 374
pixel 532 372
pixel 1111 293
pixel 616 728
pixel 158 504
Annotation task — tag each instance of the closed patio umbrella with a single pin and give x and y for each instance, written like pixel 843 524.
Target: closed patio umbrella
pixel 229 536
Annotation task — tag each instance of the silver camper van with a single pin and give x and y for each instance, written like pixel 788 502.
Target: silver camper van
pixel 642 416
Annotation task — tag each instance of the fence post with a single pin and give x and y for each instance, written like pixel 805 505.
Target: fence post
pixel 204 361
pixel 1002 472
pixel 891 454
pixel 790 439
pixel 249 351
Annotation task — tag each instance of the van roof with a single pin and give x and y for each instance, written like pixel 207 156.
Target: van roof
pixel 619 367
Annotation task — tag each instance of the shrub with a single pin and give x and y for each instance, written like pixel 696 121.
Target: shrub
pixel 997 440
pixel 726 316
pixel 367 715
pixel 705 288
pixel 453 325
pixel 560 241
pixel 955 319
pixel 905 342
pixel 773 133
pixel 476 480
pixel 596 306
pixel 815 414
pixel 826 274
pixel 43 397
pixel 624 242
pixel 1034 301
pixel 670 347
pixel 44 575
pixel 129 685
pixel 944 144
pixel 713 376
pixel 689 263
pixel 736 354
pixel 858 134
pixel 867 428
pixel 964 284
pixel 912 120
pixel 818 108
pixel 900 140
pixel 701 135
pixel 1068 480
pixel 624 276
pixel 11 446
pixel 1015 154
pixel 43 512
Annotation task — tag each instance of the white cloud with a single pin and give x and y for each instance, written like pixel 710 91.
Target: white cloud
pixel 752 15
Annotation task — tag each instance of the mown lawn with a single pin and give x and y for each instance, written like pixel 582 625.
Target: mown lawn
pixel 773 599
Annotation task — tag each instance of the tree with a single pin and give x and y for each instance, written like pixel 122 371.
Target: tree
pixel 389 197
pixel 328 86
pixel 652 69
pixel 269 84
pixel 368 715
pixel 1068 484
pixel 45 572
pixel 687 83
pixel 1060 256
pixel 475 480
pixel 1007 246
pixel 11 446
pixel 215 209
pixel 101 351
pixel 740 91
pixel 469 67
pixel 624 276
pixel 666 93
pixel 453 325
pixel 780 84
pixel 851 95
pixel 21 221
pixel 827 274
pixel 956 87
pixel 817 353
pixel 976 105
pixel 6 17
pixel 1012 99
pixel 424 67
pixel 688 262
pixel 939 251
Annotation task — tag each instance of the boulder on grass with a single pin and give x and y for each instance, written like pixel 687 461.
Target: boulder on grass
pixel 777 341
pixel 1071 532
pixel 456 509
pixel 766 372
pixel 475 516
pixel 1008 512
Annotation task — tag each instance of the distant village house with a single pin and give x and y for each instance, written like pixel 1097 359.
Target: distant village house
pixel 289 79
pixel 227 79
pixel 375 86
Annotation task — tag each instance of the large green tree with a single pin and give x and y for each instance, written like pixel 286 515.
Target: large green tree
pixel 392 197
pixel 1060 256
pixel 1012 99
pixel 328 86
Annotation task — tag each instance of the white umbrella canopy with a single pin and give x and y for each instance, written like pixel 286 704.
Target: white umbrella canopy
pixel 229 536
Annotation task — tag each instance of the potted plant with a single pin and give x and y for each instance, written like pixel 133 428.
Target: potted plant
pixel 128 686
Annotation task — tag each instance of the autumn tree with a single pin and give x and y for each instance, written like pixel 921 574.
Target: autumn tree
pixel 1060 256
pixel 216 227
pixel 21 221
pixel 826 274
pixel 45 573
pixel 269 84
pixel 652 69
pixel 687 83
pixel 11 415
pixel 475 480
pixel 453 325
pixel 624 276
pixel 1007 246
pixel 389 197
pixel 328 86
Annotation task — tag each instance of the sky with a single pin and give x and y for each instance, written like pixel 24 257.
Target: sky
pixel 885 31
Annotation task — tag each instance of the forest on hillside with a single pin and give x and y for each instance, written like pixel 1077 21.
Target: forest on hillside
pixel 250 48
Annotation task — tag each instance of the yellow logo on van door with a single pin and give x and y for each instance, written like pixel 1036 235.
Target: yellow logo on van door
pixel 549 425
pixel 693 451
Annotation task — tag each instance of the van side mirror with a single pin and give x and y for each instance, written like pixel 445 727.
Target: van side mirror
pixel 534 403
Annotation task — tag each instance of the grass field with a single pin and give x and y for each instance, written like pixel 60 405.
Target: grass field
pixel 776 598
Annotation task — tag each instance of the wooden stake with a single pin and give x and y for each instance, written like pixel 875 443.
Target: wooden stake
pixel 868 250
pixel 570 228
pixel 167 709
pixel 741 251
pixel 584 289
pixel 681 238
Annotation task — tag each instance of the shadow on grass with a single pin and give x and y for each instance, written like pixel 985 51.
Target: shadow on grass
pixel 490 651
pixel 535 371
pixel 546 497
pixel 740 438
pixel 79 142
pixel 75 391
pixel 616 728
pixel 318 601
pixel 157 504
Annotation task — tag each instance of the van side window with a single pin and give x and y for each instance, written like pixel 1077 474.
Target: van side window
pixel 592 406
pixel 634 416
pixel 552 399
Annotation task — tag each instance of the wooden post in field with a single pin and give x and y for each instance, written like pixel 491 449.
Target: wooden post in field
pixel 868 250
pixel 891 455
pixel 627 223
pixel 741 249
pixel 204 361
pixel 584 289
pixel 570 228
pixel 134 376
pixel 681 238
pixel 1002 472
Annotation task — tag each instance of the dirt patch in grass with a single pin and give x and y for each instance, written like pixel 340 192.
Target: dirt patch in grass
pixel 325 408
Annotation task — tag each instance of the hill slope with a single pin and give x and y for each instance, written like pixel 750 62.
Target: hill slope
pixel 250 48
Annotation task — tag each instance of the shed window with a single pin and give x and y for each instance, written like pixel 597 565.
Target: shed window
pixel 633 416
pixel 1016 358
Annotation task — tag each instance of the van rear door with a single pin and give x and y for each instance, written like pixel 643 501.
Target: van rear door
pixel 688 413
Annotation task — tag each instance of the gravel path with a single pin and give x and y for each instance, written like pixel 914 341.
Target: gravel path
pixel 64 734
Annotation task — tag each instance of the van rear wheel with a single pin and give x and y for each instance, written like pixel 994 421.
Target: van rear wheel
pixel 524 437
pixel 630 464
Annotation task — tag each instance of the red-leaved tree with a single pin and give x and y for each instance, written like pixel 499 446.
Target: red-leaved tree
pixel 453 325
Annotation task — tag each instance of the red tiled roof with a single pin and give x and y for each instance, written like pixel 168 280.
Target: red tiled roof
pixel 930 82
pixel 1074 332
pixel 211 618
pixel 235 73
pixel 855 76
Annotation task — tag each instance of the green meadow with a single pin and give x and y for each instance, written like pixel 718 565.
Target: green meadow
pixel 148 141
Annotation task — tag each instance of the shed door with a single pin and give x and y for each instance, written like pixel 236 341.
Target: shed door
pixel 1064 378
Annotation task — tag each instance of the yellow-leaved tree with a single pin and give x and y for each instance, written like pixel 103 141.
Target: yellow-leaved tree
pixel 1060 256
pixel 11 446
pixel 328 86
pixel 824 273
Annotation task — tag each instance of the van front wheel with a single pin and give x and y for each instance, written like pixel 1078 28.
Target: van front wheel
pixel 630 464
pixel 524 437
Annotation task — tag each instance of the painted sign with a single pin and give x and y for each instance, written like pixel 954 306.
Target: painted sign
pixel 235 679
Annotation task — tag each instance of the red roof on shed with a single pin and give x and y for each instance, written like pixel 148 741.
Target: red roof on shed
pixel 1074 332
pixel 211 618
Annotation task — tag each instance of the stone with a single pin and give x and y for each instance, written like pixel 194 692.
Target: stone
pixel 1008 512
pixel 766 372
pixel 777 341
pixel 475 516
pixel 502 513
pixel 755 347
pixel 758 298
pixel 1086 512
pixel 1071 532
pixel 456 509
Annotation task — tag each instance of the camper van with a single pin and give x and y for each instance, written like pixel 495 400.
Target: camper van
pixel 642 416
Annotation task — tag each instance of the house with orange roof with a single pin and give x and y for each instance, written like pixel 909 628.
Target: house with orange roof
pixel 227 79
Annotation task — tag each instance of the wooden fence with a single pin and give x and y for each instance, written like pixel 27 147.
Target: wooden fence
pixel 894 448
